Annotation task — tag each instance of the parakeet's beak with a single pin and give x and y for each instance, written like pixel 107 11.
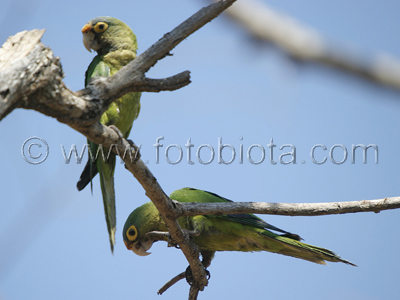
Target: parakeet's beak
pixel 88 37
pixel 140 248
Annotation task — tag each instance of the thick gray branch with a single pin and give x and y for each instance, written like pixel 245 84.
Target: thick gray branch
pixel 286 209
pixel 154 191
pixel 31 77
pixel 306 44
pixel 21 56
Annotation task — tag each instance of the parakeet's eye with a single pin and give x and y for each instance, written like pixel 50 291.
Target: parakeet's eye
pixel 131 233
pixel 100 27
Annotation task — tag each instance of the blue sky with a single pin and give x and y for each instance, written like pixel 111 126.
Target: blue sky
pixel 54 242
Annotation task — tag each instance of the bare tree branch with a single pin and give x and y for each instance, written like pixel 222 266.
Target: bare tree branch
pixel 286 209
pixel 16 54
pixel 193 293
pixel 306 44
pixel 31 77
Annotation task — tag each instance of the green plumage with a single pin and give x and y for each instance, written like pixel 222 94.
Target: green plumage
pixel 235 232
pixel 116 46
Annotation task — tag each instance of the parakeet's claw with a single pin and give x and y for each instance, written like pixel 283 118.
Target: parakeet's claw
pixel 208 274
pixel 131 143
pixel 115 128
pixel 189 275
pixel 162 235
pixel 191 232
pixel 166 236
pixel 137 150
pixel 172 243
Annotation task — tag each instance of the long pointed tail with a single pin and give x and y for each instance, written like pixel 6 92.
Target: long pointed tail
pixel 295 248
pixel 106 171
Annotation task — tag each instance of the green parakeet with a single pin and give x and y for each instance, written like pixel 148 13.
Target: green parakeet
pixel 116 46
pixel 233 232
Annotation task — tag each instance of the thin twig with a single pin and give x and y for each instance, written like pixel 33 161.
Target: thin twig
pixel 171 283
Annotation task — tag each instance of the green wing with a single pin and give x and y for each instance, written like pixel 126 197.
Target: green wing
pixel 97 68
pixel 254 238
pixel 199 196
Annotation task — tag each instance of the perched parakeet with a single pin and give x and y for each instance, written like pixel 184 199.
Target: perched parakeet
pixel 116 46
pixel 233 232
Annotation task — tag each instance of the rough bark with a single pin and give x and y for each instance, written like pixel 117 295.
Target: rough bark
pixel 31 78
pixel 286 209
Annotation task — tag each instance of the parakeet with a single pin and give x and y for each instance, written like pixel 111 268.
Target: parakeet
pixel 116 46
pixel 232 232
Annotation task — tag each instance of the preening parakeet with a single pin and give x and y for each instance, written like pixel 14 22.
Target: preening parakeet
pixel 116 46
pixel 233 232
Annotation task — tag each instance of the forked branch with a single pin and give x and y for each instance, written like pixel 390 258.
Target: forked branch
pixel 31 78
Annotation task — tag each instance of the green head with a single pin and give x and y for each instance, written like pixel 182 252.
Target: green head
pixel 141 221
pixel 105 34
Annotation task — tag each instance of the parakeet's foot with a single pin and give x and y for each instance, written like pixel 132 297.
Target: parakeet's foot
pixel 121 136
pixel 137 150
pixel 190 233
pixel 115 128
pixel 162 235
pixel 189 275
pixel 166 236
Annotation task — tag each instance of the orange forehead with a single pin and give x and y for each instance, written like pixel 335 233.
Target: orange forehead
pixel 126 245
pixel 86 28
